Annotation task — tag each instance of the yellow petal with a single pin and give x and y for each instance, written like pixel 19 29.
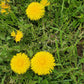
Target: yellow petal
pixel 3 11
pixel 18 36
pixel 45 2
pixel 13 34
pixel 2 3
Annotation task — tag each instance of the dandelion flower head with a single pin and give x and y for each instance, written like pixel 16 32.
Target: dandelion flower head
pixel 13 34
pixel 5 8
pixel 20 63
pixel 45 2
pixel 35 11
pixel 4 5
pixel 3 11
pixel 17 36
pixel 42 63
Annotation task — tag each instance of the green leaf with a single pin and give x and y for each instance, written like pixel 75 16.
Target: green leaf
pixel 1 60
pixel 3 80
pixel 30 53
pixel 32 82
pixel 2 36
pixel 82 60
pixel 44 81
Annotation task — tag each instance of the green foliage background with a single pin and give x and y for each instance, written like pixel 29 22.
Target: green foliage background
pixel 58 32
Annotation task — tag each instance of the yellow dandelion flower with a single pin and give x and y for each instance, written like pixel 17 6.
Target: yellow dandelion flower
pixel 3 11
pixel 13 34
pixel 45 2
pixel 18 36
pixel 4 5
pixel 20 63
pixel 5 8
pixel 42 63
pixel 35 11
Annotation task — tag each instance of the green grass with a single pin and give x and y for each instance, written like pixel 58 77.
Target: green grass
pixel 58 32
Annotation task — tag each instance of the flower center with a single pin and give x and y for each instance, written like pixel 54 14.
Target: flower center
pixel 42 62
pixel 20 63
